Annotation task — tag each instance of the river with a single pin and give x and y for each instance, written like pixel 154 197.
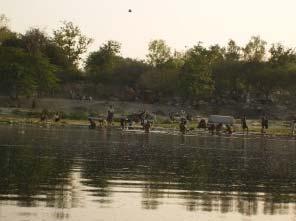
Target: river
pixel 94 175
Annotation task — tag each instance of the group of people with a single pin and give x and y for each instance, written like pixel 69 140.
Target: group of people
pixel 264 124
pixel 143 118
pixel 125 121
pixel 203 125
pixel 45 116
pixel 227 128
pixel 146 122
pixel 101 120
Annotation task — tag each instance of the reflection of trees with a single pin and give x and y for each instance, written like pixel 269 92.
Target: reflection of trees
pixel 33 173
pixel 213 173
pixel 151 195
pixel 34 178
pixel 272 206
pixel 226 204
pixel 95 175
pixel 230 175
pixel 247 204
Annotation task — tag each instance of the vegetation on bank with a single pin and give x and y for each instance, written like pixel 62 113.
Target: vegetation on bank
pixel 38 64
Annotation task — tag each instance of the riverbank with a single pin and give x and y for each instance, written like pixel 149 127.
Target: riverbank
pixel 276 127
pixel 74 113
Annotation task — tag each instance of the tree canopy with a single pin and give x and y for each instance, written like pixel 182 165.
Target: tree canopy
pixel 72 41
pixel 37 62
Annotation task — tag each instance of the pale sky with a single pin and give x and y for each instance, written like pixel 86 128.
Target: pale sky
pixel 179 22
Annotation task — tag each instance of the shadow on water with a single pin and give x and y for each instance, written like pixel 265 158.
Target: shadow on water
pixel 65 168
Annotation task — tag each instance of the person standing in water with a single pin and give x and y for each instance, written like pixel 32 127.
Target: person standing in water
pixel 110 115
pixel 244 124
pixel 92 123
pixel 264 124
pixel 147 126
pixel 182 125
pixel 123 121
pixel 229 129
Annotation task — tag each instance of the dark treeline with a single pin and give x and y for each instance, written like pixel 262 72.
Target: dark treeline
pixel 37 64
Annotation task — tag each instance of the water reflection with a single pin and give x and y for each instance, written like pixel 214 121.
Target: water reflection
pixel 71 168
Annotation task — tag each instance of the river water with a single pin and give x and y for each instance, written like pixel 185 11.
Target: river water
pixel 80 174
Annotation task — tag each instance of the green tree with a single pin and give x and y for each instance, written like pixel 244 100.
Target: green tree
pixel 162 82
pixel 16 77
pixel 177 60
pixel 24 74
pixel 35 41
pixel 227 73
pixel 5 32
pixel 281 55
pixel 229 81
pixel 44 74
pixel 101 64
pixel 56 56
pixel 196 78
pixel 215 54
pixel 128 72
pixel 159 53
pixel 289 82
pixel 255 50
pixel 233 52
pixel 266 80
pixel 14 40
pixel 72 41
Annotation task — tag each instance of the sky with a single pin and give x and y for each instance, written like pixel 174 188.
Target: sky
pixel 181 23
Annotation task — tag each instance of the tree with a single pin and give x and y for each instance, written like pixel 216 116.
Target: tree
pixel 100 64
pixel 255 50
pixel 35 41
pixel 44 74
pixel 160 81
pixel 72 41
pixel 229 80
pixel 16 77
pixel 227 73
pixel 265 79
pixel 5 32
pixel 56 56
pixel 159 53
pixel 128 72
pixel 280 55
pixel 3 21
pixel 38 44
pixel 24 74
pixel 215 54
pixel 233 52
pixel 177 60
pixel 289 81
pixel 196 78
